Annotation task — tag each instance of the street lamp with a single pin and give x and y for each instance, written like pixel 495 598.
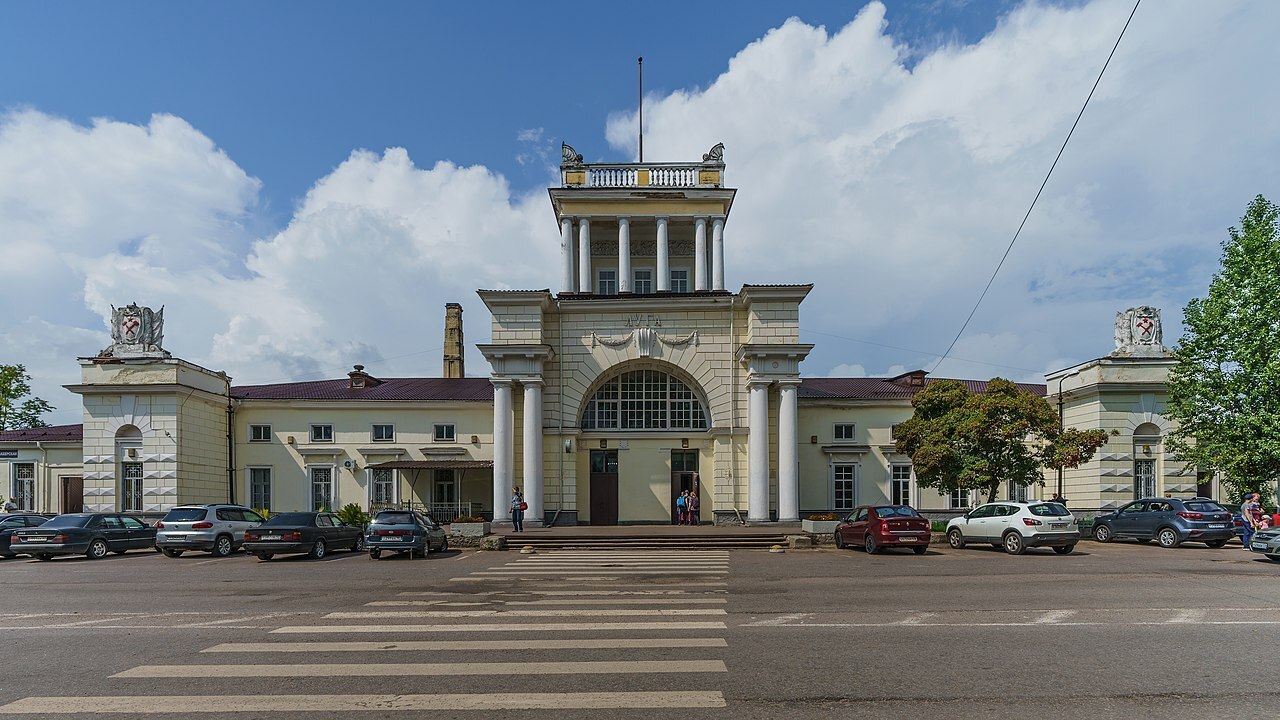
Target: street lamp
pixel 1062 421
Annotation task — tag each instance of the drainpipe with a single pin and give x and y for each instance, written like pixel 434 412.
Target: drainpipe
pixel 44 472
pixel 231 452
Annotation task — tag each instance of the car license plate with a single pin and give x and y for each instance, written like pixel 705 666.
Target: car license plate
pixel 908 539
pixel 396 538
pixel 1257 546
pixel 35 539
pixel 269 537
pixel 1216 526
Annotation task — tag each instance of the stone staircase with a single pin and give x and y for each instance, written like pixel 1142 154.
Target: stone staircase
pixel 567 539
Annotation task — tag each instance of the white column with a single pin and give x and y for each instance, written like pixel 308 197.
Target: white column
pixel 568 278
pixel 532 487
pixel 503 450
pixel 758 451
pixel 717 254
pixel 584 256
pixel 664 254
pixel 624 255
pixel 700 254
pixel 788 471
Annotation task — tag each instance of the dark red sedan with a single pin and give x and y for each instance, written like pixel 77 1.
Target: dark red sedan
pixel 879 526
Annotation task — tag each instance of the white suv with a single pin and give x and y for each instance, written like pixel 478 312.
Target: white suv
pixel 1016 526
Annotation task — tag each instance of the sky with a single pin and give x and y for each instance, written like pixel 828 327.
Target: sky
pixel 304 185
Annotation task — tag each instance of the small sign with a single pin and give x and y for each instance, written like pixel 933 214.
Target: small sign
pixel 8 453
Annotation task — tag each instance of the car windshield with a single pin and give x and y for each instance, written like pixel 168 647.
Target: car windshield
pixel 891 511
pixel 1204 507
pixel 1049 510
pixel 393 518
pixel 290 519
pixel 69 521
pixel 185 514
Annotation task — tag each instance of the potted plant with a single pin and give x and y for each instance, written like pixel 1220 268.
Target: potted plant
pixel 820 523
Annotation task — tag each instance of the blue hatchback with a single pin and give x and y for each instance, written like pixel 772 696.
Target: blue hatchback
pixel 404 531
pixel 1168 521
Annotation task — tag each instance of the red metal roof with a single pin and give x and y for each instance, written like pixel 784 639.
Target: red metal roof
pixel 404 389
pixel 884 388
pixel 53 433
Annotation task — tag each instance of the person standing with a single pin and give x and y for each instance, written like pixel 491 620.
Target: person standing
pixel 681 502
pixel 518 506
pixel 10 505
pixel 1250 511
pixel 693 504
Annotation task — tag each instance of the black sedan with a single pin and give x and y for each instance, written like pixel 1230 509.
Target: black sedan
pixel 90 534
pixel 312 533
pixel 17 521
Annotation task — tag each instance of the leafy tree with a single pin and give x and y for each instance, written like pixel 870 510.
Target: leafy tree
pixel 1225 390
pixel 959 440
pixel 15 384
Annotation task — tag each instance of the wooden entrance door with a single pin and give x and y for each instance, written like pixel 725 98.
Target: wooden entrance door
pixel 604 487
pixel 684 476
pixel 72 494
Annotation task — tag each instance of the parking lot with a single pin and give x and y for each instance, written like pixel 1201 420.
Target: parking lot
pixel 1121 628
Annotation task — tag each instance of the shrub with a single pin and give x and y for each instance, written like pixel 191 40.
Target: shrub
pixel 265 513
pixel 823 516
pixel 468 518
pixel 352 514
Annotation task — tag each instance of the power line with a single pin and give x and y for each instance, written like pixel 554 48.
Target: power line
pixel 915 350
pixel 1041 190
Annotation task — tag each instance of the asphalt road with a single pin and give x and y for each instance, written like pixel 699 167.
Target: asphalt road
pixel 1119 630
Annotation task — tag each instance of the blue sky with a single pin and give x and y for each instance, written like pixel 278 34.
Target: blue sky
pixel 304 185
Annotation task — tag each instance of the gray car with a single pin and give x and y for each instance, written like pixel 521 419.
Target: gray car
pixel 405 531
pixel 218 529
pixel 1168 521
pixel 1267 542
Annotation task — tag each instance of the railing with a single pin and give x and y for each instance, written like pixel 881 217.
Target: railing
pixel 639 175
pixel 443 513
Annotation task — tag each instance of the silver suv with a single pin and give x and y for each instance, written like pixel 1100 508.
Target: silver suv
pixel 216 528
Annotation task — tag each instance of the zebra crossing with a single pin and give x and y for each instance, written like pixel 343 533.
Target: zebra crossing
pixel 587 629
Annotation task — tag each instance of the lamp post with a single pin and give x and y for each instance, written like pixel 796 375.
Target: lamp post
pixel 1062 421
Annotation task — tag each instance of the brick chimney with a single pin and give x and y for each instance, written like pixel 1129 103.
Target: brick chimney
pixel 453 347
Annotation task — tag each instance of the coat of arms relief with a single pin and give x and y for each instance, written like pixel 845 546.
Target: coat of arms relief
pixel 136 331
pixel 1139 333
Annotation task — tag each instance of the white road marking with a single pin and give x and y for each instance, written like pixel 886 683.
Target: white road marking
pixel 778 621
pixel 468 645
pixel 1054 616
pixel 916 618
pixel 534 591
pixel 247 618
pixel 608 667
pixel 602 572
pixel 1187 616
pixel 181 705
pixel 500 627
pixel 566 582
pixel 562 601
pixel 581 612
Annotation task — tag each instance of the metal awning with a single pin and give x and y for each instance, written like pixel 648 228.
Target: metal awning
pixel 433 464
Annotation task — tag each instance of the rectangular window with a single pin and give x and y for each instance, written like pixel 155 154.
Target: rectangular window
pixel 843 478
pixel 680 280
pixel 131 487
pixel 260 488
pixel 844 432
pixel 959 499
pixel 322 489
pixel 382 487
pixel 607 281
pixel 444 432
pixel 259 433
pixel 644 400
pixel 1017 493
pixel 24 486
pixel 1144 478
pixel 900 484
pixel 384 433
pixel 321 433
pixel 642 281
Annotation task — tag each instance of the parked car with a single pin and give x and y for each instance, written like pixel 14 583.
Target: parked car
pixel 1168 521
pixel 873 527
pixel 1267 542
pixel 312 533
pixel 1016 526
pixel 15 521
pixel 217 528
pixel 90 534
pixel 404 531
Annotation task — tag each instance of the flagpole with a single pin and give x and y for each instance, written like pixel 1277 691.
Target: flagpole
pixel 640 113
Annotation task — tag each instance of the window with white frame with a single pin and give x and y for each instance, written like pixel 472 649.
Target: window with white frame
pixel 642 280
pixel 444 432
pixel 322 488
pixel 900 484
pixel 259 433
pixel 131 487
pixel 644 400
pixel 382 486
pixel 260 488
pixel 959 499
pixel 1144 478
pixel 24 486
pixel 680 280
pixel 844 432
pixel 321 433
pixel 844 478
pixel 606 281
pixel 384 433
pixel 1017 492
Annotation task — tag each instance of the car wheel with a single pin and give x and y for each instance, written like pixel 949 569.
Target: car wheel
pixel 919 550
pixel 1215 544
pixel 1064 549
pixel 1102 533
pixel 222 546
pixel 1013 543
pixel 171 552
pixel 97 549
pixel 265 556
pixel 955 538
pixel 318 550
pixel 444 545
pixel 839 540
pixel 870 546
pixel 359 546
pixel 1167 538
pixel 375 554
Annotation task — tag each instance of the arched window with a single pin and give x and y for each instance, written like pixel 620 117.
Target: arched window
pixel 644 400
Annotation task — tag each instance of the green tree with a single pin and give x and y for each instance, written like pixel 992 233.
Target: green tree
pixel 1225 390
pixel 16 413
pixel 959 440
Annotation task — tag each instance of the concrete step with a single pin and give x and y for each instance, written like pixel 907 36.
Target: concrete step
pixel 646 542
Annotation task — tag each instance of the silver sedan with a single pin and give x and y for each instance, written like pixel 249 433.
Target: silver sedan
pixel 1267 542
